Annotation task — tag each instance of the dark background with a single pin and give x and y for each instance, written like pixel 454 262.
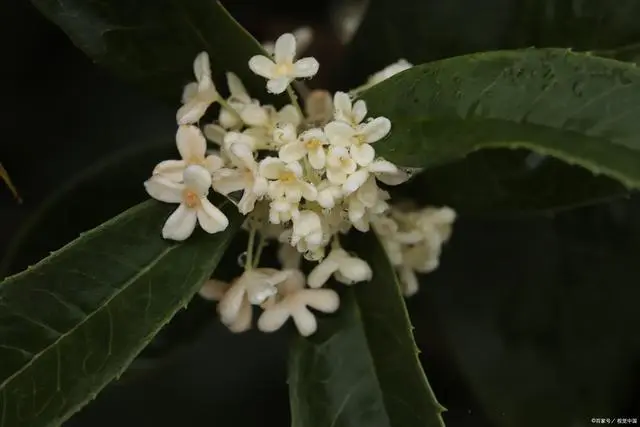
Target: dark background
pixel 529 321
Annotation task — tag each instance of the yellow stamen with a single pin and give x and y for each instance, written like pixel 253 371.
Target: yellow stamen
pixel 284 69
pixel 313 144
pixel 287 177
pixel 191 199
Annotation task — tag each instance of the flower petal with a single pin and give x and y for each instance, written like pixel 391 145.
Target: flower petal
pixel 164 189
pixel 243 320
pixel 279 85
pixel 190 91
pixel 228 120
pixel 285 49
pixel 317 158
pixel 383 166
pixel 375 130
pixel 263 66
pixel 232 302
pixel 191 143
pixel 213 163
pixel 215 133
pixel 409 281
pixel 210 218
pixel 305 67
pixel 197 179
pixel 325 300
pixel 254 115
pixel 363 154
pixel 273 318
pixel 237 89
pixel 359 111
pixel 355 180
pixel 248 202
pixel 396 178
pixel 227 181
pixel 213 290
pixel 322 272
pixel 201 66
pixel 292 152
pixel 339 133
pixel 180 224
pixel 342 106
pixel 304 320
pixel 289 114
pixel 171 169
pixel 271 167
pixel 336 176
pixel 191 112
pixel 308 190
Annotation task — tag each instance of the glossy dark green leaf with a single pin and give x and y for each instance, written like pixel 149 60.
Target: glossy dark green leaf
pixel 503 181
pixel 575 107
pixel 427 30
pixel 361 368
pixel 153 42
pixel 74 321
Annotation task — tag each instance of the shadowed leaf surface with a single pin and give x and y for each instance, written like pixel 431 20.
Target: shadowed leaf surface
pixel 74 321
pixel 361 367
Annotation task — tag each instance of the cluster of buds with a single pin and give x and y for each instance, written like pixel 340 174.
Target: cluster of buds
pixel 302 179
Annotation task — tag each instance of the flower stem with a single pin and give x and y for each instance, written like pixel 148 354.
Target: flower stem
pixel 224 104
pixel 248 263
pixel 294 100
pixel 261 245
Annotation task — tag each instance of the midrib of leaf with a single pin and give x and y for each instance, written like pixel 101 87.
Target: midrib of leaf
pixel 89 316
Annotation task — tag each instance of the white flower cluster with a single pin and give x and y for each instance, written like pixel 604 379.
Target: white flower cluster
pixel 301 179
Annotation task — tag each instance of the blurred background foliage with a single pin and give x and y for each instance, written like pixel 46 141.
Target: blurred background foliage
pixel 531 319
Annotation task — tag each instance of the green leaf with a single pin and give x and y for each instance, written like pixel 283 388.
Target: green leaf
pixel 153 42
pixel 575 107
pixel 74 321
pixel 361 368
pixel 503 181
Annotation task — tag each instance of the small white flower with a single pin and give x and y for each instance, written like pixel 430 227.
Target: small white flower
pixel 282 211
pixel 198 96
pixel 239 98
pixel 283 70
pixel 254 286
pixel 358 178
pixel 358 139
pixel 268 117
pixel 284 134
pixel 215 290
pixel 194 205
pixel 350 269
pixel 339 165
pixel 344 110
pixel 294 303
pixel 192 147
pixel 388 71
pixel 310 144
pixel 328 194
pixel 286 180
pixel 303 36
pixel 307 227
pixel 244 177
